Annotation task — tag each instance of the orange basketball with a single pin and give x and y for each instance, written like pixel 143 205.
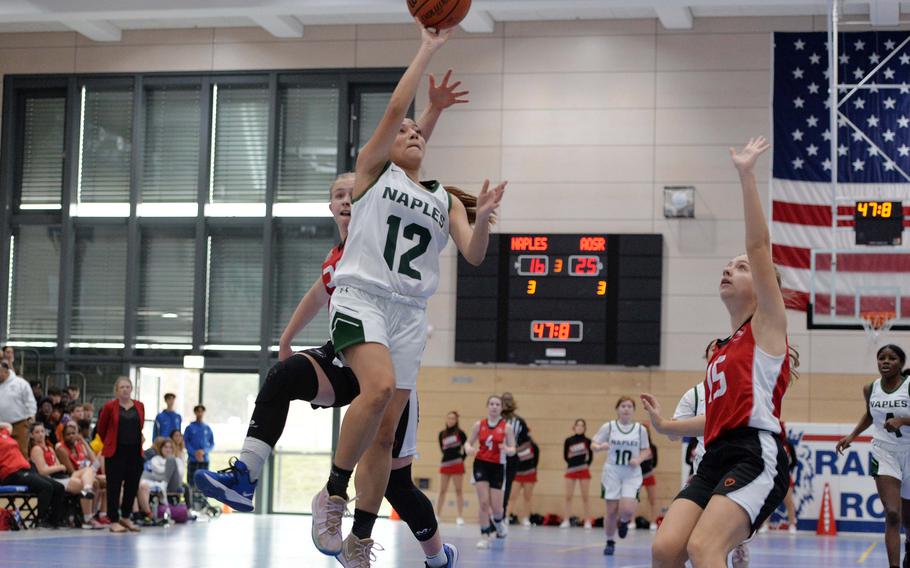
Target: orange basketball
pixel 439 14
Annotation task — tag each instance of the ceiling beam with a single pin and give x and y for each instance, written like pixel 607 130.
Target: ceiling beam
pixel 884 12
pixel 95 30
pixel 478 22
pixel 280 26
pixel 675 17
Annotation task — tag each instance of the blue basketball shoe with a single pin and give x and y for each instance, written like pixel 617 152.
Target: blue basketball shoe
pixel 231 486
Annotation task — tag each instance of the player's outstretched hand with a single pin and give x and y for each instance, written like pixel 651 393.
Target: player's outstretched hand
pixel 489 199
pixel 745 159
pixel 444 95
pixel 843 444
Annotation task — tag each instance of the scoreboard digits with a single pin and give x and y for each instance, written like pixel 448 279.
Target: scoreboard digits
pixel 562 299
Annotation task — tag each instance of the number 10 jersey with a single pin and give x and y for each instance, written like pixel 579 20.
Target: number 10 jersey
pixel 397 232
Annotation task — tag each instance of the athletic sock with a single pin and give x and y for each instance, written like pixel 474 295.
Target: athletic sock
pixel 338 481
pixel 438 560
pixel 254 455
pixel 363 523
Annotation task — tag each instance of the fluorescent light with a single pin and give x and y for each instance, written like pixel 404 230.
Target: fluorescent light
pixel 301 210
pixel 100 210
pixel 294 348
pixel 169 315
pixel 32 343
pixel 235 209
pixel 99 345
pixel 193 362
pixel 175 346
pixel 167 209
pixel 40 207
pixel 231 347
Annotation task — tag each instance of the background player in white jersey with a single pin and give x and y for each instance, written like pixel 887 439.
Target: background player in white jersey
pixel 888 412
pixel 378 313
pixel 626 444
pixel 744 474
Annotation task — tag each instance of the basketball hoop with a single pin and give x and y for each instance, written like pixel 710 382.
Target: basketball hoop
pixel 877 324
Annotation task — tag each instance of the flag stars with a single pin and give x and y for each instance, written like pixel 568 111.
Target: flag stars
pixel 799 45
pixel 797 135
pixel 813 89
pixel 889 135
pixel 812 121
pixel 858 73
pixel 827 165
pixel 889 73
pixel 857 135
pixel 815 59
pixel 798 163
pixel 905 89
pixel 859 104
pixel 874 59
pixel 872 121
pixel 889 45
pixel 798 73
pixel 858 165
pixel 827 135
pixel 903 122
pixel 798 102
pixel 904 150
pixel 827 74
pixel 841 150
pixel 889 166
pixel 905 59
pixel 844 59
pixel 873 151
pixel 859 45
pixel 812 150
pixel 889 103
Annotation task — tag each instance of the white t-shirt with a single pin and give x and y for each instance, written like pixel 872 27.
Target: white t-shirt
pixel 692 404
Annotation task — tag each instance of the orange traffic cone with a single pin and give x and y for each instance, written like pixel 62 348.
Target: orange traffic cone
pixel 393 516
pixel 826 524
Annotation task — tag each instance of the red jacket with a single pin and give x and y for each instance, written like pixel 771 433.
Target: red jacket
pixel 11 458
pixel 109 421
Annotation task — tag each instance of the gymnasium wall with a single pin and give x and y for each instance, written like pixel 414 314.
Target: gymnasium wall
pixel 588 121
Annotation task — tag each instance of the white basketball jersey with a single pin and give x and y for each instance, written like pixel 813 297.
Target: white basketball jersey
pixel 692 404
pixel 397 232
pixel 884 405
pixel 626 442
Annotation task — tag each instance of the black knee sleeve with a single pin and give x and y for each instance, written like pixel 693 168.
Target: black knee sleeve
pixel 291 379
pixel 412 505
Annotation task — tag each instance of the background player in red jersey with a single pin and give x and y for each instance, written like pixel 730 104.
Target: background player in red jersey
pixel 490 441
pixel 743 476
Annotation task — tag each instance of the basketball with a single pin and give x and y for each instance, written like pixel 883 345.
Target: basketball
pixel 439 14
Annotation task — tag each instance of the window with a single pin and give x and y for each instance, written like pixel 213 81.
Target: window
pixel 105 147
pixel 170 169
pixel 229 399
pixel 240 153
pixel 99 285
pixel 234 288
pixel 42 152
pixel 165 309
pixel 308 144
pixel 372 105
pixel 298 256
pixel 35 271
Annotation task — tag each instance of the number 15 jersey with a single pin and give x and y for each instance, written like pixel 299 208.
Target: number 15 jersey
pixel 744 386
pixel 397 232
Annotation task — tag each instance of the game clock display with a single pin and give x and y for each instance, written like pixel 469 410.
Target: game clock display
pixel 879 223
pixel 562 299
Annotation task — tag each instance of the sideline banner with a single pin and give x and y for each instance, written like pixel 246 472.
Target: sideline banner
pixel 857 507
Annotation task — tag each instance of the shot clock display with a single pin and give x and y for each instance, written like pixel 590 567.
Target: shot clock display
pixel 562 299
pixel 879 223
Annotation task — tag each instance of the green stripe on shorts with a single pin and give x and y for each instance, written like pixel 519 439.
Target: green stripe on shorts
pixel 873 467
pixel 346 331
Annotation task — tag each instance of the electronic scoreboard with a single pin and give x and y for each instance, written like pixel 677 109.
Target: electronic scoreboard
pixel 879 223
pixel 591 299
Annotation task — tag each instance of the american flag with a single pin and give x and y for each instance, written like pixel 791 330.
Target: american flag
pixel 873 159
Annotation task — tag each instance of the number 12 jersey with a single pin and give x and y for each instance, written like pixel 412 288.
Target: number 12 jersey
pixel 397 232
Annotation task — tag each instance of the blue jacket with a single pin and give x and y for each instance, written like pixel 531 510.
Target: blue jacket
pixel 198 436
pixel 165 423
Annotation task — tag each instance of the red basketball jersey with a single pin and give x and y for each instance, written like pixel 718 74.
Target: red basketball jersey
pixel 491 440
pixel 328 268
pixel 744 386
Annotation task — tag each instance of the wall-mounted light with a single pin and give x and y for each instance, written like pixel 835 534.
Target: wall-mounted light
pixel 679 202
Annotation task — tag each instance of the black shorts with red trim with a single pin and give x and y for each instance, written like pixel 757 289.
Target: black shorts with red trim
pixel 747 465
pixel 488 472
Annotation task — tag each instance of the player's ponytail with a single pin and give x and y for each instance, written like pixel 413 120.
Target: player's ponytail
pixel 793 354
pixel 469 201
